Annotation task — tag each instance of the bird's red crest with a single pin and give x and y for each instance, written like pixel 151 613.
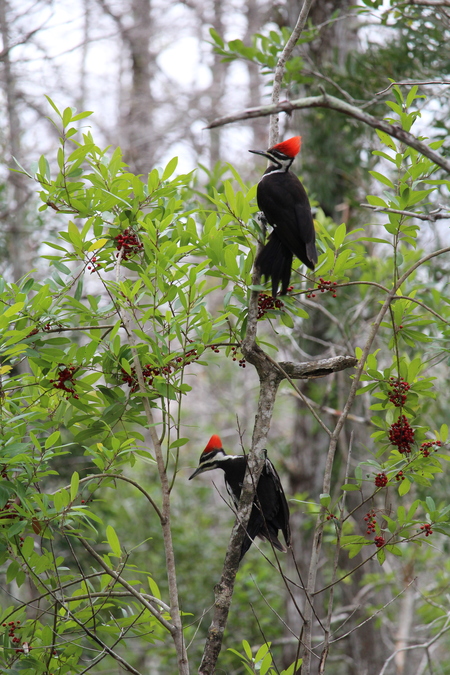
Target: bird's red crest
pixel 214 443
pixel 291 147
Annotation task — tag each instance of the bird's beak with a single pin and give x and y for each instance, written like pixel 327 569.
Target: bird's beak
pixel 261 152
pixel 199 469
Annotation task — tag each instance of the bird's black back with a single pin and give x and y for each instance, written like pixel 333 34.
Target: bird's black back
pixel 270 511
pixel 285 204
pixel 283 200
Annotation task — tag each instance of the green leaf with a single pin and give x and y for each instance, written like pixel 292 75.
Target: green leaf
pixel 325 500
pixel 52 439
pixel 247 649
pixel 216 37
pixel 179 442
pixel 154 588
pixel 113 541
pixel 376 201
pixel 170 168
pixel 74 483
pixel 265 665
pixel 386 139
pixel 381 555
pixel 404 487
pixel 287 320
pixel 27 547
pixel 382 179
pixel 53 105
pixel 262 652
pixel 339 235
pixel 12 571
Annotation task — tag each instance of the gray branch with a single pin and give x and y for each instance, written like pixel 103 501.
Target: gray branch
pixel 333 103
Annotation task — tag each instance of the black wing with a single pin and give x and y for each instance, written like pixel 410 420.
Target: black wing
pixel 278 515
pixel 283 200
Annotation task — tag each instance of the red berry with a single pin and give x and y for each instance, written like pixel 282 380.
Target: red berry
pixel 401 434
pixel 381 480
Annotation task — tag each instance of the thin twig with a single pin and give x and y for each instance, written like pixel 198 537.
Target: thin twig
pixel 131 589
pixel 432 216
pixel 326 642
pixel 425 645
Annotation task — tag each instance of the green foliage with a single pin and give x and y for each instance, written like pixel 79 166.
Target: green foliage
pixel 261 663
pixel 114 335
pixel 131 249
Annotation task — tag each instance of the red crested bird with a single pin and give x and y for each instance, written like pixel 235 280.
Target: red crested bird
pixel 270 511
pixel 283 200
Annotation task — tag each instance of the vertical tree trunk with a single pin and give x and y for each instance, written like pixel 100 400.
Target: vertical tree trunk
pixel 140 143
pixel 18 240
pixel 217 89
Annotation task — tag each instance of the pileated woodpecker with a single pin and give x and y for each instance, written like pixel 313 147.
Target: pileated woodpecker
pixel 270 511
pixel 283 200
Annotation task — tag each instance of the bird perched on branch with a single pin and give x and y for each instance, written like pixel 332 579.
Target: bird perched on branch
pixel 283 200
pixel 270 511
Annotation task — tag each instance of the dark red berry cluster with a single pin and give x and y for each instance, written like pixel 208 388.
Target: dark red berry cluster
pixel 64 379
pixel 399 476
pixel 215 348
pixel 12 627
pixel 330 516
pixel 267 302
pixel 190 356
pixel 129 242
pixel 426 529
pixel 242 361
pixel 398 390
pixel 148 372
pixel 401 434
pixel 323 285
pixel 381 480
pixel 379 541
pixel 47 327
pixel 130 379
pixel 371 520
pixel 94 266
pixel 425 448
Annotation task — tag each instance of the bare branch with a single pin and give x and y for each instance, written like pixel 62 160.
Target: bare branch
pixel 333 103
pixel 411 84
pixel 432 216
pixel 314 369
pixel 424 645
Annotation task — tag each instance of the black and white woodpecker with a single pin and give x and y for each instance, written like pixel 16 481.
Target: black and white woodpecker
pixel 282 199
pixel 270 511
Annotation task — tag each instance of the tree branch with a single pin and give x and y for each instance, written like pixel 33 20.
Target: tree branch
pixel 333 103
pixel 433 216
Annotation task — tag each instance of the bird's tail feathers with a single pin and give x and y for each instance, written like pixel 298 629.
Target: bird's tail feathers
pixel 311 252
pixel 275 262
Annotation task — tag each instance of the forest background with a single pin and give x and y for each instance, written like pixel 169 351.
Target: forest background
pixel 131 330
